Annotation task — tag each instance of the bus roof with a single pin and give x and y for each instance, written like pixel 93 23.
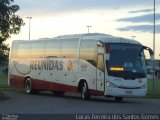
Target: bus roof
pixel 94 36
pixel 100 37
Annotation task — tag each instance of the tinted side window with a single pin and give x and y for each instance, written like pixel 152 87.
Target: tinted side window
pixel 38 49
pixel 69 48
pixel 24 50
pixel 53 49
pixel 88 51
pixel 100 63
pixel 14 52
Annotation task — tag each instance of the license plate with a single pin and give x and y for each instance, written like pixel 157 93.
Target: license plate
pixel 128 91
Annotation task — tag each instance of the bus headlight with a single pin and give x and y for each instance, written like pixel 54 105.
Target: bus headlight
pixel 109 84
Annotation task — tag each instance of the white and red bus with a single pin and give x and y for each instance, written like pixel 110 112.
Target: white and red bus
pixel 92 64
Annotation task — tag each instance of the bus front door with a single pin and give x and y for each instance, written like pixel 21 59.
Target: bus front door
pixel 100 72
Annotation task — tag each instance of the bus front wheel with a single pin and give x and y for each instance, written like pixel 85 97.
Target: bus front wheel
pixel 84 91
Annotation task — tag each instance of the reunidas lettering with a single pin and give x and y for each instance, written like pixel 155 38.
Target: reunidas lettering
pixel 46 65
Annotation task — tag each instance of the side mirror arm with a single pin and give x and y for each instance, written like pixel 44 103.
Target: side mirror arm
pixel 150 52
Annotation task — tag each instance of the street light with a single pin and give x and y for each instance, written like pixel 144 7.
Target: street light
pixel 154 17
pixel 133 36
pixel 88 27
pixel 29 26
pixel 153 46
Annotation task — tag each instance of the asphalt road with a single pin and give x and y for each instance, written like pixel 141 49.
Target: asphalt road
pixel 46 103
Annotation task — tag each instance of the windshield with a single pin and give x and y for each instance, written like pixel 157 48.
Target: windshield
pixel 126 61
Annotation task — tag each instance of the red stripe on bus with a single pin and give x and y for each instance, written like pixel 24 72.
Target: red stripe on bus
pixel 19 81
pixel 46 85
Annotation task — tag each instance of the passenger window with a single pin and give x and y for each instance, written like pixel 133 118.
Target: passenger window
pixel 69 48
pixel 53 49
pixel 88 51
pixel 100 63
pixel 38 50
pixel 24 50
pixel 14 52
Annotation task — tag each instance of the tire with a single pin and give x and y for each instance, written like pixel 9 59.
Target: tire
pixel 84 91
pixel 118 99
pixel 28 87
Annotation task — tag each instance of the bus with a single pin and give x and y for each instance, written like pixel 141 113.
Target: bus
pixel 91 64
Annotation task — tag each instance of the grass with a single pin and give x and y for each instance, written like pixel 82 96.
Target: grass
pixel 4 82
pixel 4 86
pixel 156 89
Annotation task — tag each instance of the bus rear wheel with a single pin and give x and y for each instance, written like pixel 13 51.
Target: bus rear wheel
pixel 118 99
pixel 84 91
pixel 28 86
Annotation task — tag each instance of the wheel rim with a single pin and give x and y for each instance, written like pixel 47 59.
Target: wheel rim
pixel 28 87
pixel 84 91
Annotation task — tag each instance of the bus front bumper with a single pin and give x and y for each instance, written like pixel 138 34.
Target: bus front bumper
pixel 118 92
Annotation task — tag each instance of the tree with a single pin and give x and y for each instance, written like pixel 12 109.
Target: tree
pixel 10 23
